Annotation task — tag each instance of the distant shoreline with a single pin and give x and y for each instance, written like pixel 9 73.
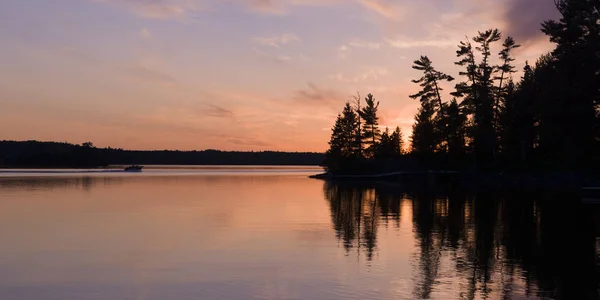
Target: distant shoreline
pixel 36 154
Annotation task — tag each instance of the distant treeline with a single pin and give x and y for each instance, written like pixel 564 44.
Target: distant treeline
pixel 54 154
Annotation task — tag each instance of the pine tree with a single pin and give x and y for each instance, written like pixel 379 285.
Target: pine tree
pixel 336 142
pixel 466 89
pixel 357 108
pixel 423 139
pixel 485 138
pixel 506 69
pixel 429 82
pixel 371 132
pixel 343 137
pixel 430 93
pixel 478 93
pixel 385 147
pixel 397 141
pixel 455 130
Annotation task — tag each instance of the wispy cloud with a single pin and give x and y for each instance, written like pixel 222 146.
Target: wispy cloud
pixel 248 142
pixel 364 44
pixel 145 33
pixel 365 75
pixel 282 7
pixel 217 111
pixel 407 43
pixel 144 74
pixel 76 53
pixel 159 9
pixel 277 40
pixel 317 95
pixel 265 6
pixel 523 18
pixel 271 57
pixel 384 8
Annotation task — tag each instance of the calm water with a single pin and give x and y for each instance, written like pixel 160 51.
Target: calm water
pixel 272 233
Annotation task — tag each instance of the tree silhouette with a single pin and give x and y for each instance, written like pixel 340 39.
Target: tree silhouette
pixel 343 140
pixel 429 82
pixel 430 94
pixel 423 139
pixel 455 129
pixel 506 69
pixel 518 116
pixel 357 108
pixel 576 84
pixel 397 140
pixel 371 132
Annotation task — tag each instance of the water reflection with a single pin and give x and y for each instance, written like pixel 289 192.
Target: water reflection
pixel 52 183
pixel 480 244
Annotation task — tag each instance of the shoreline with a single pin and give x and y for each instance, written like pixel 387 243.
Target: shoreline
pixel 569 180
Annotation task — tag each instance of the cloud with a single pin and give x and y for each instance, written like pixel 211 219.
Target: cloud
pixel 265 6
pixel 278 40
pixel 399 43
pixel 217 111
pixel 271 57
pixel 147 75
pixel 365 75
pixel 316 95
pixel 145 33
pixel 364 44
pixel 248 142
pixel 407 43
pixel 159 9
pixel 523 18
pixel 382 7
pixel 343 50
pixel 78 54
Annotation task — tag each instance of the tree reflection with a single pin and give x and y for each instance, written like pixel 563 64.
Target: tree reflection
pixel 494 244
pixel 356 213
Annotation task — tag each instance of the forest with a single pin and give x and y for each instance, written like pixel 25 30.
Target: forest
pixel 548 120
pixel 64 155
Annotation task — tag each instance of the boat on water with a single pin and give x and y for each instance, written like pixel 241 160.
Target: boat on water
pixel 133 168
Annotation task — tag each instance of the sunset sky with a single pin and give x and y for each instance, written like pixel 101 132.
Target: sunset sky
pixel 229 74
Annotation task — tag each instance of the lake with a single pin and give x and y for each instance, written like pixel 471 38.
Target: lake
pixel 272 233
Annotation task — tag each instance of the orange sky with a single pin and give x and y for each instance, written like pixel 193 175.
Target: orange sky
pixel 231 74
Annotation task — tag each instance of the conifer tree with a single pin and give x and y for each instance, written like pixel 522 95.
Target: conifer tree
pixel 506 69
pixel 385 146
pixel 478 92
pixel 429 82
pixel 336 140
pixel 397 141
pixel 455 130
pixel 357 108
pixel 423 139
pixel 430 94
pixel 343 138
pixel 371 132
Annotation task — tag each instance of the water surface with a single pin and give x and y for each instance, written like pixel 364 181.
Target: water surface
pixel 272 233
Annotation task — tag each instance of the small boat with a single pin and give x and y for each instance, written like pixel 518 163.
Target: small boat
pixel 133 168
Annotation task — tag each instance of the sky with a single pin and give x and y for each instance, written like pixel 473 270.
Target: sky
pixel 230 74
